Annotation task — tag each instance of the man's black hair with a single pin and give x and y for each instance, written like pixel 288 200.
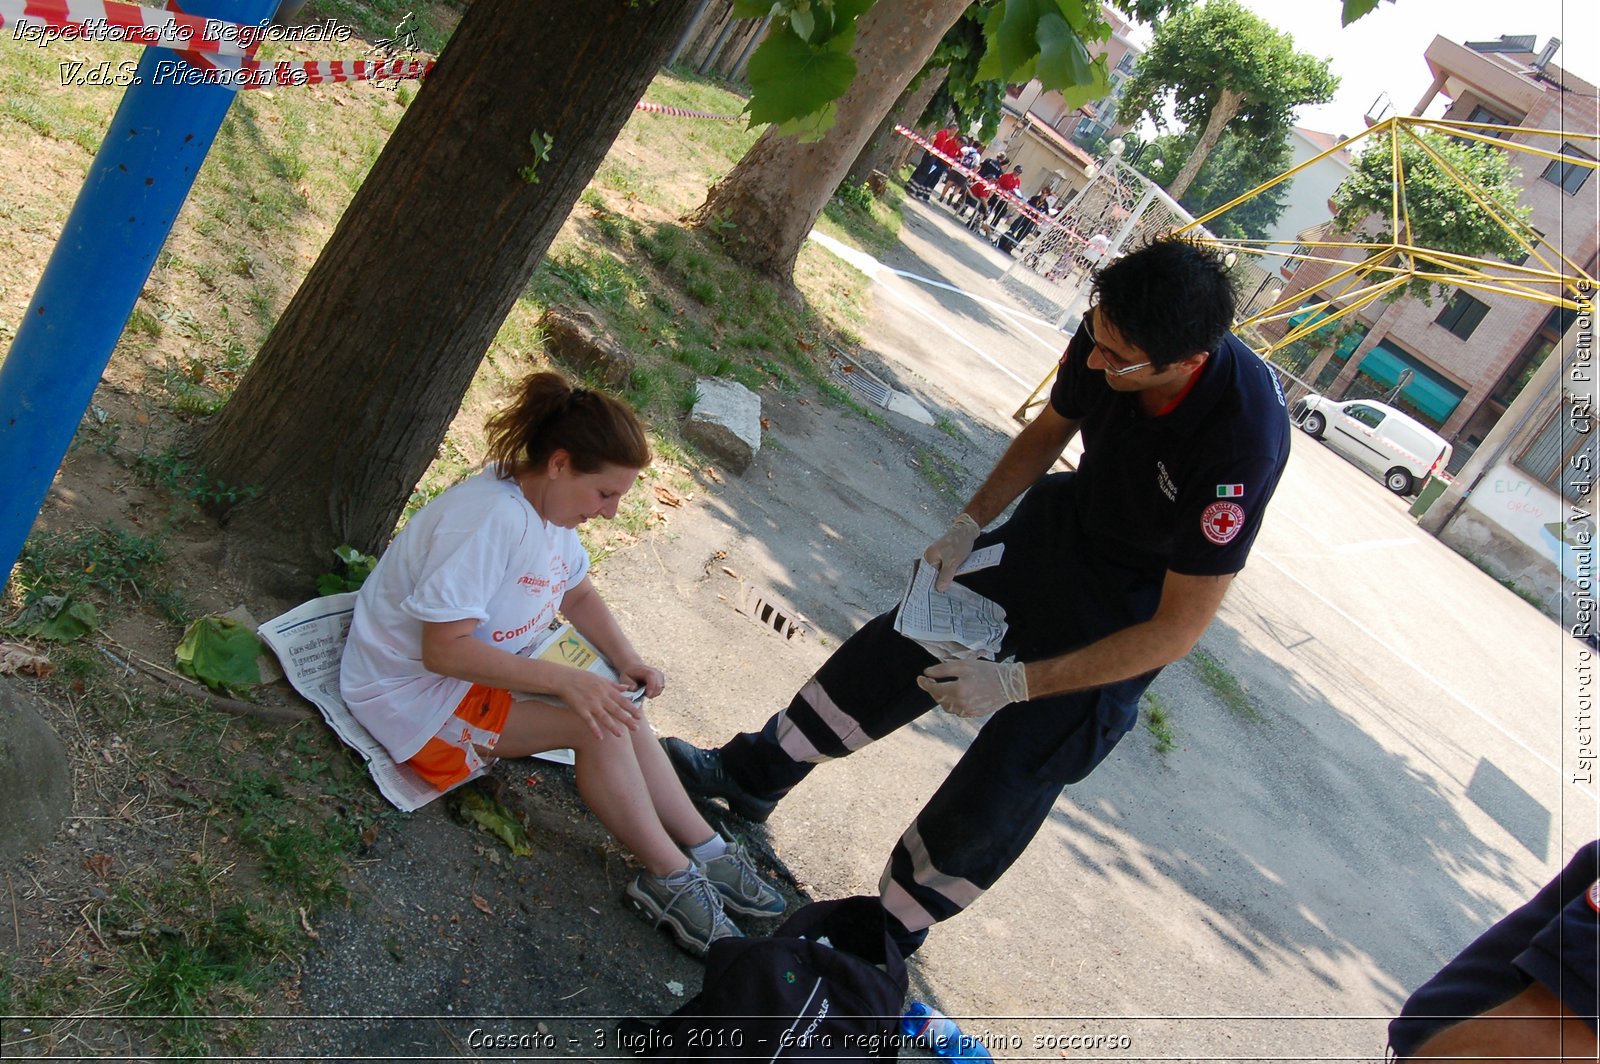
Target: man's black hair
pixel 1171 298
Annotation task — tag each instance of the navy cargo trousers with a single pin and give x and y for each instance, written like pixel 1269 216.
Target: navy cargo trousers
pixel 1057 596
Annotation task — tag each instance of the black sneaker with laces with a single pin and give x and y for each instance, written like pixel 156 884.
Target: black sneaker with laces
pixel 702 776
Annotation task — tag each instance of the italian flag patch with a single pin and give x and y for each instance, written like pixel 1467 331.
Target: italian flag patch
pixel 1230 491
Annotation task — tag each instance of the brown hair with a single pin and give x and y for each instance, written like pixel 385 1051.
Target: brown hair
pixel 549 414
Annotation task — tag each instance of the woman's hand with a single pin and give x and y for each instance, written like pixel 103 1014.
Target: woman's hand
pixel 652 679
pixel 603 704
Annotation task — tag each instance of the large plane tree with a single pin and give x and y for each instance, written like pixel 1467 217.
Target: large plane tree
pixel 1221 67
pixel 346 404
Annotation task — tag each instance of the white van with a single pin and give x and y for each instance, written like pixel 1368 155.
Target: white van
pixel 1392 444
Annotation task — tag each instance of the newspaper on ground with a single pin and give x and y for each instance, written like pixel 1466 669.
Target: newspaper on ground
pixel 309 641
pixel 954 625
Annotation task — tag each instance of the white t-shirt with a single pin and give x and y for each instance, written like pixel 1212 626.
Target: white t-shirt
pixel 480 550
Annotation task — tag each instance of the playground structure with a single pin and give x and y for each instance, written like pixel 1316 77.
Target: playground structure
pixel 1121 207
pixel 1369 272
pixel 1051 272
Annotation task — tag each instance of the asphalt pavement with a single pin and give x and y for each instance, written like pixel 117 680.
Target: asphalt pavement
pixel 1273 886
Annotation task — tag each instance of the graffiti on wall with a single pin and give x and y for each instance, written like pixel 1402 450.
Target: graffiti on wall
pixel 1535 516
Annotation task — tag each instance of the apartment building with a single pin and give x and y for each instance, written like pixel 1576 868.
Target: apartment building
pixel 1459 363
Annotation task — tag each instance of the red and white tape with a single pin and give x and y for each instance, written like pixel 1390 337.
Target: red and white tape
pixel 46 21
pixel 663 109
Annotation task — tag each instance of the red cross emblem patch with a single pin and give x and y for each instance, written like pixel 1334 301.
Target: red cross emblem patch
pixel 1221 521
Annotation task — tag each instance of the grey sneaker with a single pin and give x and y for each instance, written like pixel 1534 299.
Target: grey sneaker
pixel 702 776
pixel 742 890
pixel 687 905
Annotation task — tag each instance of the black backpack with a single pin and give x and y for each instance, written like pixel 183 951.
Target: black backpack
pixel 791 996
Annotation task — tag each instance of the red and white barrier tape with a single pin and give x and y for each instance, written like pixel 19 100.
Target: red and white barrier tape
pixel 1020 204
pixel 43 22
pixel 663 109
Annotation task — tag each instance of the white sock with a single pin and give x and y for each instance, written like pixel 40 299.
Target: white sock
pixel 709 850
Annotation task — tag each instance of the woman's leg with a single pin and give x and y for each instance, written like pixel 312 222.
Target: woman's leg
pixel 676 812
pixel 609 778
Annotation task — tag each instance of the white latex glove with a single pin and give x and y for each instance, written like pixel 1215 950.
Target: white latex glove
pixel 951 549
pixel 975 688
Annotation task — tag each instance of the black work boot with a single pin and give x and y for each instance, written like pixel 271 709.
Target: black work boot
pixel 702 776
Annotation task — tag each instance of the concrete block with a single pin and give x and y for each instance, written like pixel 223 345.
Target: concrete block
pixel 726 422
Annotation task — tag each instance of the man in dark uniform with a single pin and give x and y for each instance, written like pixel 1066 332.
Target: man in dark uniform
pixel 1107 575
pixel 1529 987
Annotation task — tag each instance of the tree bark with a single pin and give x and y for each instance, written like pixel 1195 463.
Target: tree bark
pixel 884 142
pixel 1227 107
pixel 774 194
pixel 352 392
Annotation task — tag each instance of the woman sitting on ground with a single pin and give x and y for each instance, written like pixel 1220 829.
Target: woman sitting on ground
pixel 476 576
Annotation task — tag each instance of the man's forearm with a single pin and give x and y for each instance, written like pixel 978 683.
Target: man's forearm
pixel 1131 652
pixel 1027 459
pixel 1187 605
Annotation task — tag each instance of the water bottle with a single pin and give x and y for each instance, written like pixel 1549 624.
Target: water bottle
pixel 927 1026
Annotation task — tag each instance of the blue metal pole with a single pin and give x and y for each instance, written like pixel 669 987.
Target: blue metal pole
pixel 129 200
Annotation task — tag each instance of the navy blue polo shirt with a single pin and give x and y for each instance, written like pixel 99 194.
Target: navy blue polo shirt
pixel 1185 490
pixel 1554 939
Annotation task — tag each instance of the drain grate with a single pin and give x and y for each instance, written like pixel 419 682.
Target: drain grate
pixel 755 605
pixel 857 379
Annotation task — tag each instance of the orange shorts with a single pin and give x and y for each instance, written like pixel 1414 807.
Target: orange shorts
pixel 450 756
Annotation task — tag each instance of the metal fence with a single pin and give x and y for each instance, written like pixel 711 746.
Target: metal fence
pixel 1118 209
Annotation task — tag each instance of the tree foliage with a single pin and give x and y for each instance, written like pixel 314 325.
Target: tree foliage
pixel 1237 165
pixel 805 63
pixel 1220 65
pixel 1441 213
pixel 966 97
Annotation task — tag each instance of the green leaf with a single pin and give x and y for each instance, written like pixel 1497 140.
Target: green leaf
pixel 221 653
pixel 329 584
pixel 1085 19
pixel 791 79
pixel 751 8
pixel 1355 9
pixel 811 126
pixel 59 618
pixel 497 820
pixel 989 65
pixel 804 23
pixel 1097 86
pixel 1014 40
pixel 1064 62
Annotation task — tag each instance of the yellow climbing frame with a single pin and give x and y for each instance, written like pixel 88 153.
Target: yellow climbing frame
pixel 1381 268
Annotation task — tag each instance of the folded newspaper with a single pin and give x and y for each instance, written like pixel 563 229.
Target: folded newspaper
pixel 954 625
pixel 309 641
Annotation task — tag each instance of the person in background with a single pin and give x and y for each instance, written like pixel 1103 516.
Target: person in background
pixel 932 167
pixel 1007 184
pixel 1024 224
pixel 979 192
pixel 955 182
pixel 432 667
pixel 1527 988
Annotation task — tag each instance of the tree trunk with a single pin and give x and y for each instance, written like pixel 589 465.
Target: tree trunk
pixel 884 142
pixel 356 386
pixel 1223 113
pixel 774 194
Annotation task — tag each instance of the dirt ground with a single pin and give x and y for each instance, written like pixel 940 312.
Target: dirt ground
pixel 1254 869
pixel 446 937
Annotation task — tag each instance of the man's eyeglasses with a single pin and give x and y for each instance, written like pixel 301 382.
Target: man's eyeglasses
pixel 1114 366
